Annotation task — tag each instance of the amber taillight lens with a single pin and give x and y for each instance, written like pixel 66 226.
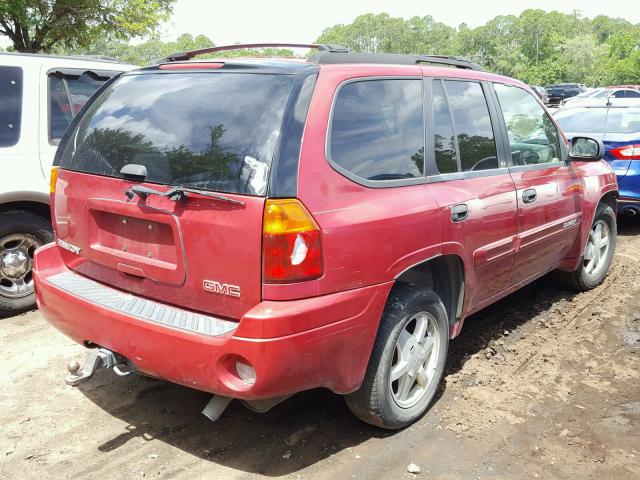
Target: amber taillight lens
pixel 291 243
pixel 54 179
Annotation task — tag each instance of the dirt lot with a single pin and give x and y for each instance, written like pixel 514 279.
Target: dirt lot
pixel 544 384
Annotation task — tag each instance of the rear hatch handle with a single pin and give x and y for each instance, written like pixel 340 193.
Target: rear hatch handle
pixel 177 194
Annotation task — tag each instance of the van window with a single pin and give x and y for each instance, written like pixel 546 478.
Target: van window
pixel 377 129
pixel 67 95
pixel 472 123
pixel 211 131
pixel 532 136
pixel 10 105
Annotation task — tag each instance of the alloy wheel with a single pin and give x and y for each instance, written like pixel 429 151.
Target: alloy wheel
pixel 415 359
pixel 596 252
pixel 16 264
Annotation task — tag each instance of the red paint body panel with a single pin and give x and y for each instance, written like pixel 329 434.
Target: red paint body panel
pixel 486 239
pixel 189 242
pixel 318 342
pixel 543 238
pixel 315 333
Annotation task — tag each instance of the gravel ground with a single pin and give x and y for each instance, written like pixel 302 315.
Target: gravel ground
pixel 544 384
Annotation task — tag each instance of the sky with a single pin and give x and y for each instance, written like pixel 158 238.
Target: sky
pixel 298 21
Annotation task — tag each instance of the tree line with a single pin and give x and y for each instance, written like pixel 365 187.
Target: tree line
pixel 537 47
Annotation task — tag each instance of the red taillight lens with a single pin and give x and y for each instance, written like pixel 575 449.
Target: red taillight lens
pixel 628 152
pixel 291 243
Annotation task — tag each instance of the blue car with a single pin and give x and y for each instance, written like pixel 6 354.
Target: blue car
pixel 618 126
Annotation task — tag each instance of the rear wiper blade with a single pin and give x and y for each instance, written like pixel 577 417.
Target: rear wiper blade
pixel 177 193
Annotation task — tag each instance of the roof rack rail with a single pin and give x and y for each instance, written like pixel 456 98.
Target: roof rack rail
pixel 330 57
pixel 183 56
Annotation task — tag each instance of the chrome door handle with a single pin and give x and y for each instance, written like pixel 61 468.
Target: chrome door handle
pixel 529 195
pixel 459 212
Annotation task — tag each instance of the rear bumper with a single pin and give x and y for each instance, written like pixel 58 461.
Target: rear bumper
pixel 293 345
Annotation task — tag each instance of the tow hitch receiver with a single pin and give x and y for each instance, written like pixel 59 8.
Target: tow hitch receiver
pixel 96 359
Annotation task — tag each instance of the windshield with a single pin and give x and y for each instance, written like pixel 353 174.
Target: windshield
pixel 212 131
pixel 600 93
pixel 599 120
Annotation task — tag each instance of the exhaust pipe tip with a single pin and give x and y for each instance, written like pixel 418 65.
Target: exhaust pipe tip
pixel 631 211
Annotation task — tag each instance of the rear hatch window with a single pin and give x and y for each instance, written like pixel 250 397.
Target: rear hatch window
pixel 210 131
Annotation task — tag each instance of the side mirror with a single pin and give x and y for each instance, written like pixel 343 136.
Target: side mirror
pixel 585 149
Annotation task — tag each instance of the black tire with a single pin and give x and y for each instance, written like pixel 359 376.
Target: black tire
pixel 580 280
pixel 27 223
pixel 374 401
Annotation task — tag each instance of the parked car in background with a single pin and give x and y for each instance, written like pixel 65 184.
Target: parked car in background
pixel 634 87
pixel 586 94
pixel 542 94
pixel 618 126
pixel 255 228
pixel 39 96
pixel 561 91
pixel 603 94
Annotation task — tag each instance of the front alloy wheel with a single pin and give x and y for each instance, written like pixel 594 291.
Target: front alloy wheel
pixel 21 233
pixel 597 249
pixel 598 252
pixel 16 264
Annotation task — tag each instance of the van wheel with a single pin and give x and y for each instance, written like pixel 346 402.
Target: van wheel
pixel 598 253
pixel 21 233
pixel 407 360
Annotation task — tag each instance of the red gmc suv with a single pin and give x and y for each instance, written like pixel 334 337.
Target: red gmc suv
pixel 255 228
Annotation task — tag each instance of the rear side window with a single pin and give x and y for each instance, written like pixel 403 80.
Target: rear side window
pixel 443 136
pixel 212 131
pixel 532 136
pixel 472 124
pixel 377 129
pixel 67 95
pixel 10 105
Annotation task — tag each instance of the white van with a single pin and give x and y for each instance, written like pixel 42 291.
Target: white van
pixel 39 96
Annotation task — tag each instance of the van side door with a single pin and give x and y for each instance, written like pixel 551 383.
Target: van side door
pixel 549 189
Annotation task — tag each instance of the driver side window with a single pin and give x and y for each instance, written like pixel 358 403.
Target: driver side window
pixel 532 136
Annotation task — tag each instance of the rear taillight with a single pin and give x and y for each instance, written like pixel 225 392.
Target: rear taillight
pixel 291 244
pixel 628 152
pixel 53 180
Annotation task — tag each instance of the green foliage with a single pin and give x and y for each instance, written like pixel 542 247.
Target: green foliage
pixel 537 47
pixel 42 25
pixel 153 49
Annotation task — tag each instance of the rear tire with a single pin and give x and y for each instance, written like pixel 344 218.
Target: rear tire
pixel 598 253
pixel 21 233
pixel 413 338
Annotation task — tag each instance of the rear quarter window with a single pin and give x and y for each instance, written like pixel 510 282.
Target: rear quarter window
pixel 377 129
pixel 10 105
